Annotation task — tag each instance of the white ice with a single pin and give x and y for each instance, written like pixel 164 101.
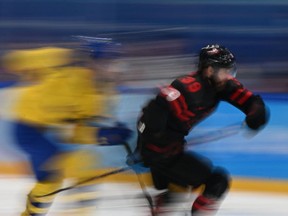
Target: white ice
pixel 127 200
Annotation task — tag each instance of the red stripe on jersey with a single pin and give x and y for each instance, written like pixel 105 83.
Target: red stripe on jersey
pixel 172 148
pixel 180 109
pixel 185 111
pixel 182 102
pixel 236 94
pixel 177 110
pixel 244 98
pixel 177 103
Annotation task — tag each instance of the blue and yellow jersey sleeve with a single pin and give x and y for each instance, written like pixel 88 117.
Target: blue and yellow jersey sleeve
pixel 68 93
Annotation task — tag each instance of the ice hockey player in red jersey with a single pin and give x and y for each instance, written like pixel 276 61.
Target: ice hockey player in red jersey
pixel 177 108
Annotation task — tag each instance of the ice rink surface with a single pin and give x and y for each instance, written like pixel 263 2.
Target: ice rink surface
pixel 127 200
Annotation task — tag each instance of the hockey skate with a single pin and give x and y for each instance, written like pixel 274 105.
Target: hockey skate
pixel 204 206
pixel 162 203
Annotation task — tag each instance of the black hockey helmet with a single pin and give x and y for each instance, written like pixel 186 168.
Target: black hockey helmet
pixel 216 56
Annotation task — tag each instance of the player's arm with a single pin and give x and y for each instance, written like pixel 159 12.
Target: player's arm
pixel 155 116
pixel 105 131
pixel 257 113
pixel 169 102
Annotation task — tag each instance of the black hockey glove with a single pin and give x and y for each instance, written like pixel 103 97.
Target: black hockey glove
pixel 257 117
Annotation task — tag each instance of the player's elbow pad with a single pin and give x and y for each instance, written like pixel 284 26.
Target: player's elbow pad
pixel 258 115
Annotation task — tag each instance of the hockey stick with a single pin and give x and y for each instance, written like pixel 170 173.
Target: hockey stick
pixel 199 139
pixel 218 134
pixel 141 182
pixel 116 171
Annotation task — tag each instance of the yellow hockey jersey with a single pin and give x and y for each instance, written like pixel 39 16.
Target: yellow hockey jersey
pixel 59 94
pixel 64 94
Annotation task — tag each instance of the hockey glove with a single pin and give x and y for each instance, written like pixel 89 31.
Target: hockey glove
pixel 257 117
pixel 133 158
pixel 135 161
pixel 116 135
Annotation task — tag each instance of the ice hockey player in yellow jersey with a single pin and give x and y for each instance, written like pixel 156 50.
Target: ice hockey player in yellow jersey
pixel 58 94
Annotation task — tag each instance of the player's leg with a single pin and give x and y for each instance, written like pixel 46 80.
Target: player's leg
pixel 36 205
pixel 40 151
pixel 215 187
pixel 175 170
pixel 161 183
pixel 195 170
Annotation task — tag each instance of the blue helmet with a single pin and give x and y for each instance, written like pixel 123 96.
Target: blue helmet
pixel 99 47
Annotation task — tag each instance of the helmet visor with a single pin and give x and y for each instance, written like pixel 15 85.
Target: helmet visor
pixel 233 71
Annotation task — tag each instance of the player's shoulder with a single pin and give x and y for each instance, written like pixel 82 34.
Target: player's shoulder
pixel 77 71
pixel 188 83
pixel 187 78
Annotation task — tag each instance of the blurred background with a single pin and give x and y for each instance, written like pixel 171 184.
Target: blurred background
pixel 160 40
pixel 164 33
